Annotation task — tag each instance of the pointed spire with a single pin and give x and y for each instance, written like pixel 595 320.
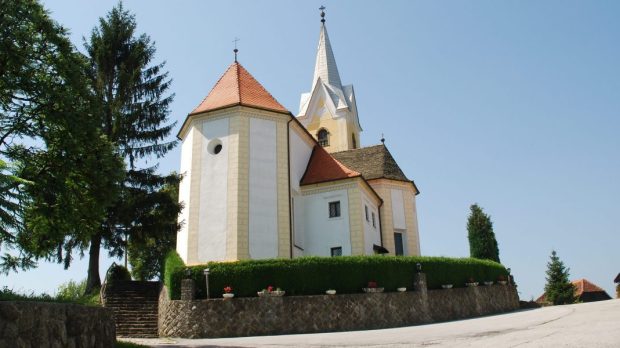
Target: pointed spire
pixel 325 66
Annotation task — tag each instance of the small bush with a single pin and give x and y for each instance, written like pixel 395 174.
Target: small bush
pixel 314 275
pixel 71 290
pixel 117 273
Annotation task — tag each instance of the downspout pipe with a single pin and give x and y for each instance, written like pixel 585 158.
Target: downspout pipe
pixel 290 209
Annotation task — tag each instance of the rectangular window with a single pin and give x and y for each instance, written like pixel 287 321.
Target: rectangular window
pixel 373 220
pixel 398 244
pixel 334 209
pixel 337 251
pixel 366 211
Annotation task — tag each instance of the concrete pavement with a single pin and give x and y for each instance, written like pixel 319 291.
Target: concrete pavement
pixel 594 324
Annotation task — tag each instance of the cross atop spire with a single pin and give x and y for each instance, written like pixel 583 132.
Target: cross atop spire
pixel 322 8
pixel 325 66
pixel 236 50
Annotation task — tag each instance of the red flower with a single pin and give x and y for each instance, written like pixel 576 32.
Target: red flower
pixel 269 288
pixel 228 289
pixel 372 284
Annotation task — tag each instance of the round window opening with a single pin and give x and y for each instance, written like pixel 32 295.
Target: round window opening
pixel 215 146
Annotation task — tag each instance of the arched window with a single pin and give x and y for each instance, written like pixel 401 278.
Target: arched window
pixel 353 142
pixel 322 137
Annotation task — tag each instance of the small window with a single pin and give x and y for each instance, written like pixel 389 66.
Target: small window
pixel 322 137
pixel 366 211
pixel 334 209
pixel 217 149
pixel 337 251
pixel 215 146
pixel 353 142
pixel 398 244
pixel 373 220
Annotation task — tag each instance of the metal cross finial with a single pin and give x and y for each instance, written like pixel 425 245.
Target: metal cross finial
pixel 382 139
pixel 236 50
pixel 322 8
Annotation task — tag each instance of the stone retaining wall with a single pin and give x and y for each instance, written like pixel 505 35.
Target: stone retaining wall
pixel 324 313
pixel 43 324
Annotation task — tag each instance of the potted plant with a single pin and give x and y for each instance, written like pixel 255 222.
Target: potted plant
pixel 228 292
pixel 372 287
pixel 330 292
pixel 471 282
pixel 270 291
pixel 446 286
pixel 401 289
pixel 501 279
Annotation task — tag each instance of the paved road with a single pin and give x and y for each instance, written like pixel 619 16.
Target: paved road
pixel 582 325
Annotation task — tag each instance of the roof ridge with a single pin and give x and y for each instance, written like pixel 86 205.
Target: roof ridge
pixel 237 65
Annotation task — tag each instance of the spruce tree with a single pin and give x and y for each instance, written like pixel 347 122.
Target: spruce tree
pixel 148 251
pixel 482 243
pixel 559 289
pixel 134 98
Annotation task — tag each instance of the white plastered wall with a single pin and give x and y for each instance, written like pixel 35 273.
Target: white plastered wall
pixel 322 232
pixel 371 233
pixel 300 152
pixel 398 217
pixel 263 207
pixel 184 194
pixel 212 224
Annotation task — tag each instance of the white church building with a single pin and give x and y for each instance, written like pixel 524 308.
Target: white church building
pixel 259 182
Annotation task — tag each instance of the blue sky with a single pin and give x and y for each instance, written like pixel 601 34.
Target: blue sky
pixel 514 105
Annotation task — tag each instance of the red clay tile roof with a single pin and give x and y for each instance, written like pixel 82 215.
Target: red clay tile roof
pixel 238 87
pixel 322 167
pixel 583 285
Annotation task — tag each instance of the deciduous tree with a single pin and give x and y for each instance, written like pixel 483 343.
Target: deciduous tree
pixel 68 170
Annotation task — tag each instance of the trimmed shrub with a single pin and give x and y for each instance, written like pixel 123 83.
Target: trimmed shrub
pixel 314 275
pixel 173 273
pixel 117 272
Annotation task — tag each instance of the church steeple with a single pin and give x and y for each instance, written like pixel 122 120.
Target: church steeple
pixel 329 110
pixel 325 66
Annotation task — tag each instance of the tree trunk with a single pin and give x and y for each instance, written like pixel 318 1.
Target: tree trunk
pixel 93 282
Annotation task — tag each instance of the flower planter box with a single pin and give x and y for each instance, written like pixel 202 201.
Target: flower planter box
pixel 502 282
pixel 403 289
pixel 274 293
pixel 228 295
pixel 471 284
pixel 487 283
pixel 446 286
pixel 330 292
pixel 372 290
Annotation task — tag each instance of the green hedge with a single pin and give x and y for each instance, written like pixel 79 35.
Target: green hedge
pixel 314 275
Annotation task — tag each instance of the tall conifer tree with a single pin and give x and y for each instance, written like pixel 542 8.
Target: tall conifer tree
pixel 482 242
pixel 134 106
pixel 559 289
